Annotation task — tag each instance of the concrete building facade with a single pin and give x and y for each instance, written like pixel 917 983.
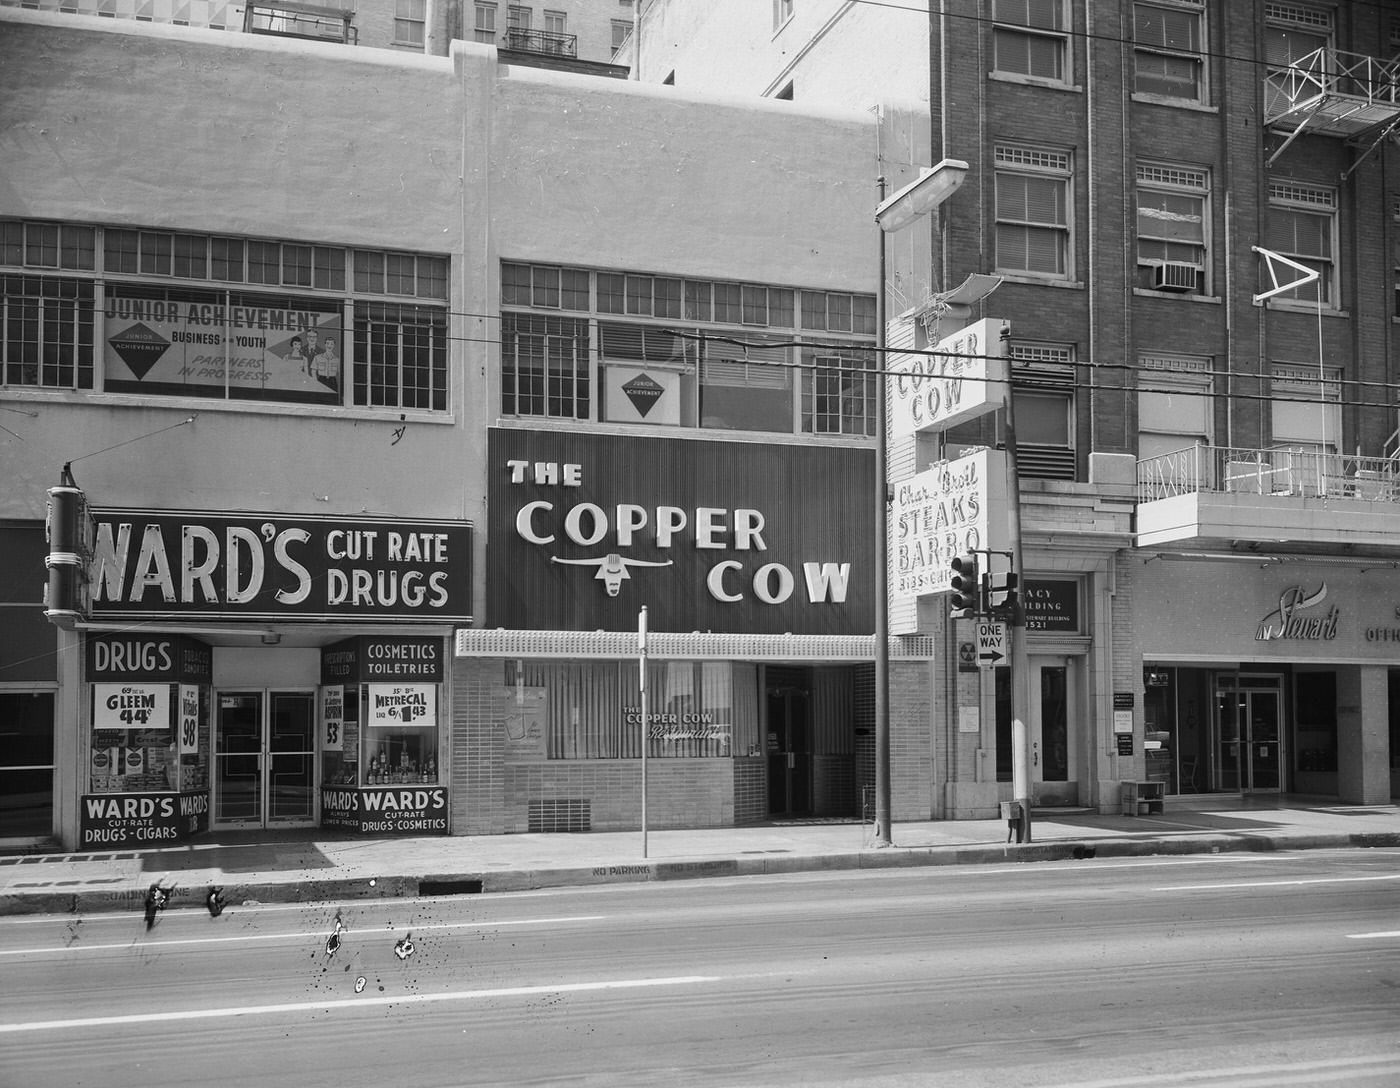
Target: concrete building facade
pixel 370 437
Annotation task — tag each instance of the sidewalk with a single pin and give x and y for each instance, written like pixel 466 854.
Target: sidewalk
pixel 319 866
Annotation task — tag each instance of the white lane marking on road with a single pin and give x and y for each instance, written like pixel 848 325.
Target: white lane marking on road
pixel 168 1015
pixel 1372 936
pixel 1280 883
pixel 158 943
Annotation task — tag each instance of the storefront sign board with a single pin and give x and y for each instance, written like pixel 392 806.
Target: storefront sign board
pixel 401 704
pixel 198 564
pixel 371 658
pixel 710 536
pixel 963 376
pixel 141 819
pixel 418 810
pixel 947 510
pixel 131 706
pixel 149 657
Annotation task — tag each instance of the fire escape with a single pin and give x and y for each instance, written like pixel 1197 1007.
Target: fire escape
pixel 1331 93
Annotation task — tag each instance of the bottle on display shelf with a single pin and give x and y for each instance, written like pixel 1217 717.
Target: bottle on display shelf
pixel 432 769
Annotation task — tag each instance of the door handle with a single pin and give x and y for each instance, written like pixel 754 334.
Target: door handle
pixel 792 760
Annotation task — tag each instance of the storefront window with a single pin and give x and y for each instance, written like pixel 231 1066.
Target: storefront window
pixel 26 764
pixel 592 710
pixel 400 739
pixel 1316 731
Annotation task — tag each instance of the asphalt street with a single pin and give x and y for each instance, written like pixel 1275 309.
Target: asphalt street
pixel 1242 969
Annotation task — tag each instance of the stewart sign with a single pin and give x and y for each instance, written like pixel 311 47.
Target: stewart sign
pixel 278 567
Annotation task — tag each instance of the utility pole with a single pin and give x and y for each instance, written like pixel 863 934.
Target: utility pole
pixel 1020 659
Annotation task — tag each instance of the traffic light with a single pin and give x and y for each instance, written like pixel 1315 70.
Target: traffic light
pixel 1005 605
pixel 965 584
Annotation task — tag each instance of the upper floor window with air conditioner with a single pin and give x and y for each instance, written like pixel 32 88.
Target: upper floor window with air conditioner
pixel 1172 228
pixel 1033 211
pixel 1031 38
pixel 1168 56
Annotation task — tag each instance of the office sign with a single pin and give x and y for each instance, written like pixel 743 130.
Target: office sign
pixel 1051 605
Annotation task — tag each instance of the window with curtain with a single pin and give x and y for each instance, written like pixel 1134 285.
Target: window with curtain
pixel 1293 34
pixel 1031 38
pixel 695 709
pixel 746 388
pixel 1171 226
pixel 484 29
pixel 409 22
pixel 1175 418
pixel 1306 410
pixel 1302 225
pixel 1032 211
pixel 1167 50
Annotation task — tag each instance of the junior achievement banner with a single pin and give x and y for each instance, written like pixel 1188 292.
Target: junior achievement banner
pixel 218 343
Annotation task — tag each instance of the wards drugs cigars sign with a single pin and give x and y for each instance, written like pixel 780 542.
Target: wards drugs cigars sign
pixel 250 566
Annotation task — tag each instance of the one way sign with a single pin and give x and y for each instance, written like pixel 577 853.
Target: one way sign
pixel 991 643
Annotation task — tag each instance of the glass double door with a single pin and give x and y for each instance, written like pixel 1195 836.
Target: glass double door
pixel 264 758
pixel 1248 735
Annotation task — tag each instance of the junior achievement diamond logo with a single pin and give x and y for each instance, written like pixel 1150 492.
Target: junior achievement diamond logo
pixel 643 391
pixel 140 348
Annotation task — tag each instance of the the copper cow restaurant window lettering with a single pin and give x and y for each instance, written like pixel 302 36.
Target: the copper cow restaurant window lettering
pixel 592 710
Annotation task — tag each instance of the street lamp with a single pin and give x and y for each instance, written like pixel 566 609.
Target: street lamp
pixel 934 185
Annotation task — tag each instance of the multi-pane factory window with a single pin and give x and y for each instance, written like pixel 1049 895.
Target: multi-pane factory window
pixel 674 351
pixel 170 313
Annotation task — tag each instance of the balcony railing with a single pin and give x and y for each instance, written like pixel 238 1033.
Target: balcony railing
pixel 1341 93
pixel 1279 471
pixel 541 41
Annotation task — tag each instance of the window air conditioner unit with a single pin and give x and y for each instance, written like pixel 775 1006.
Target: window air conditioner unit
pixel 1174 276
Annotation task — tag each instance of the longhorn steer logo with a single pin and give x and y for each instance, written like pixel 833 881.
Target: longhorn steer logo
pixel 612 568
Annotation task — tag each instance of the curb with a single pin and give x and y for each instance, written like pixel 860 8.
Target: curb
pixel 341 888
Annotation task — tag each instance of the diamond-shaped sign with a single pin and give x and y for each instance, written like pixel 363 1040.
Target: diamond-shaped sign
pixel 643 391
pixel 140 348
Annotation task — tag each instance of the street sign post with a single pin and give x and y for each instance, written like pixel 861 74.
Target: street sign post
pixel 991 643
